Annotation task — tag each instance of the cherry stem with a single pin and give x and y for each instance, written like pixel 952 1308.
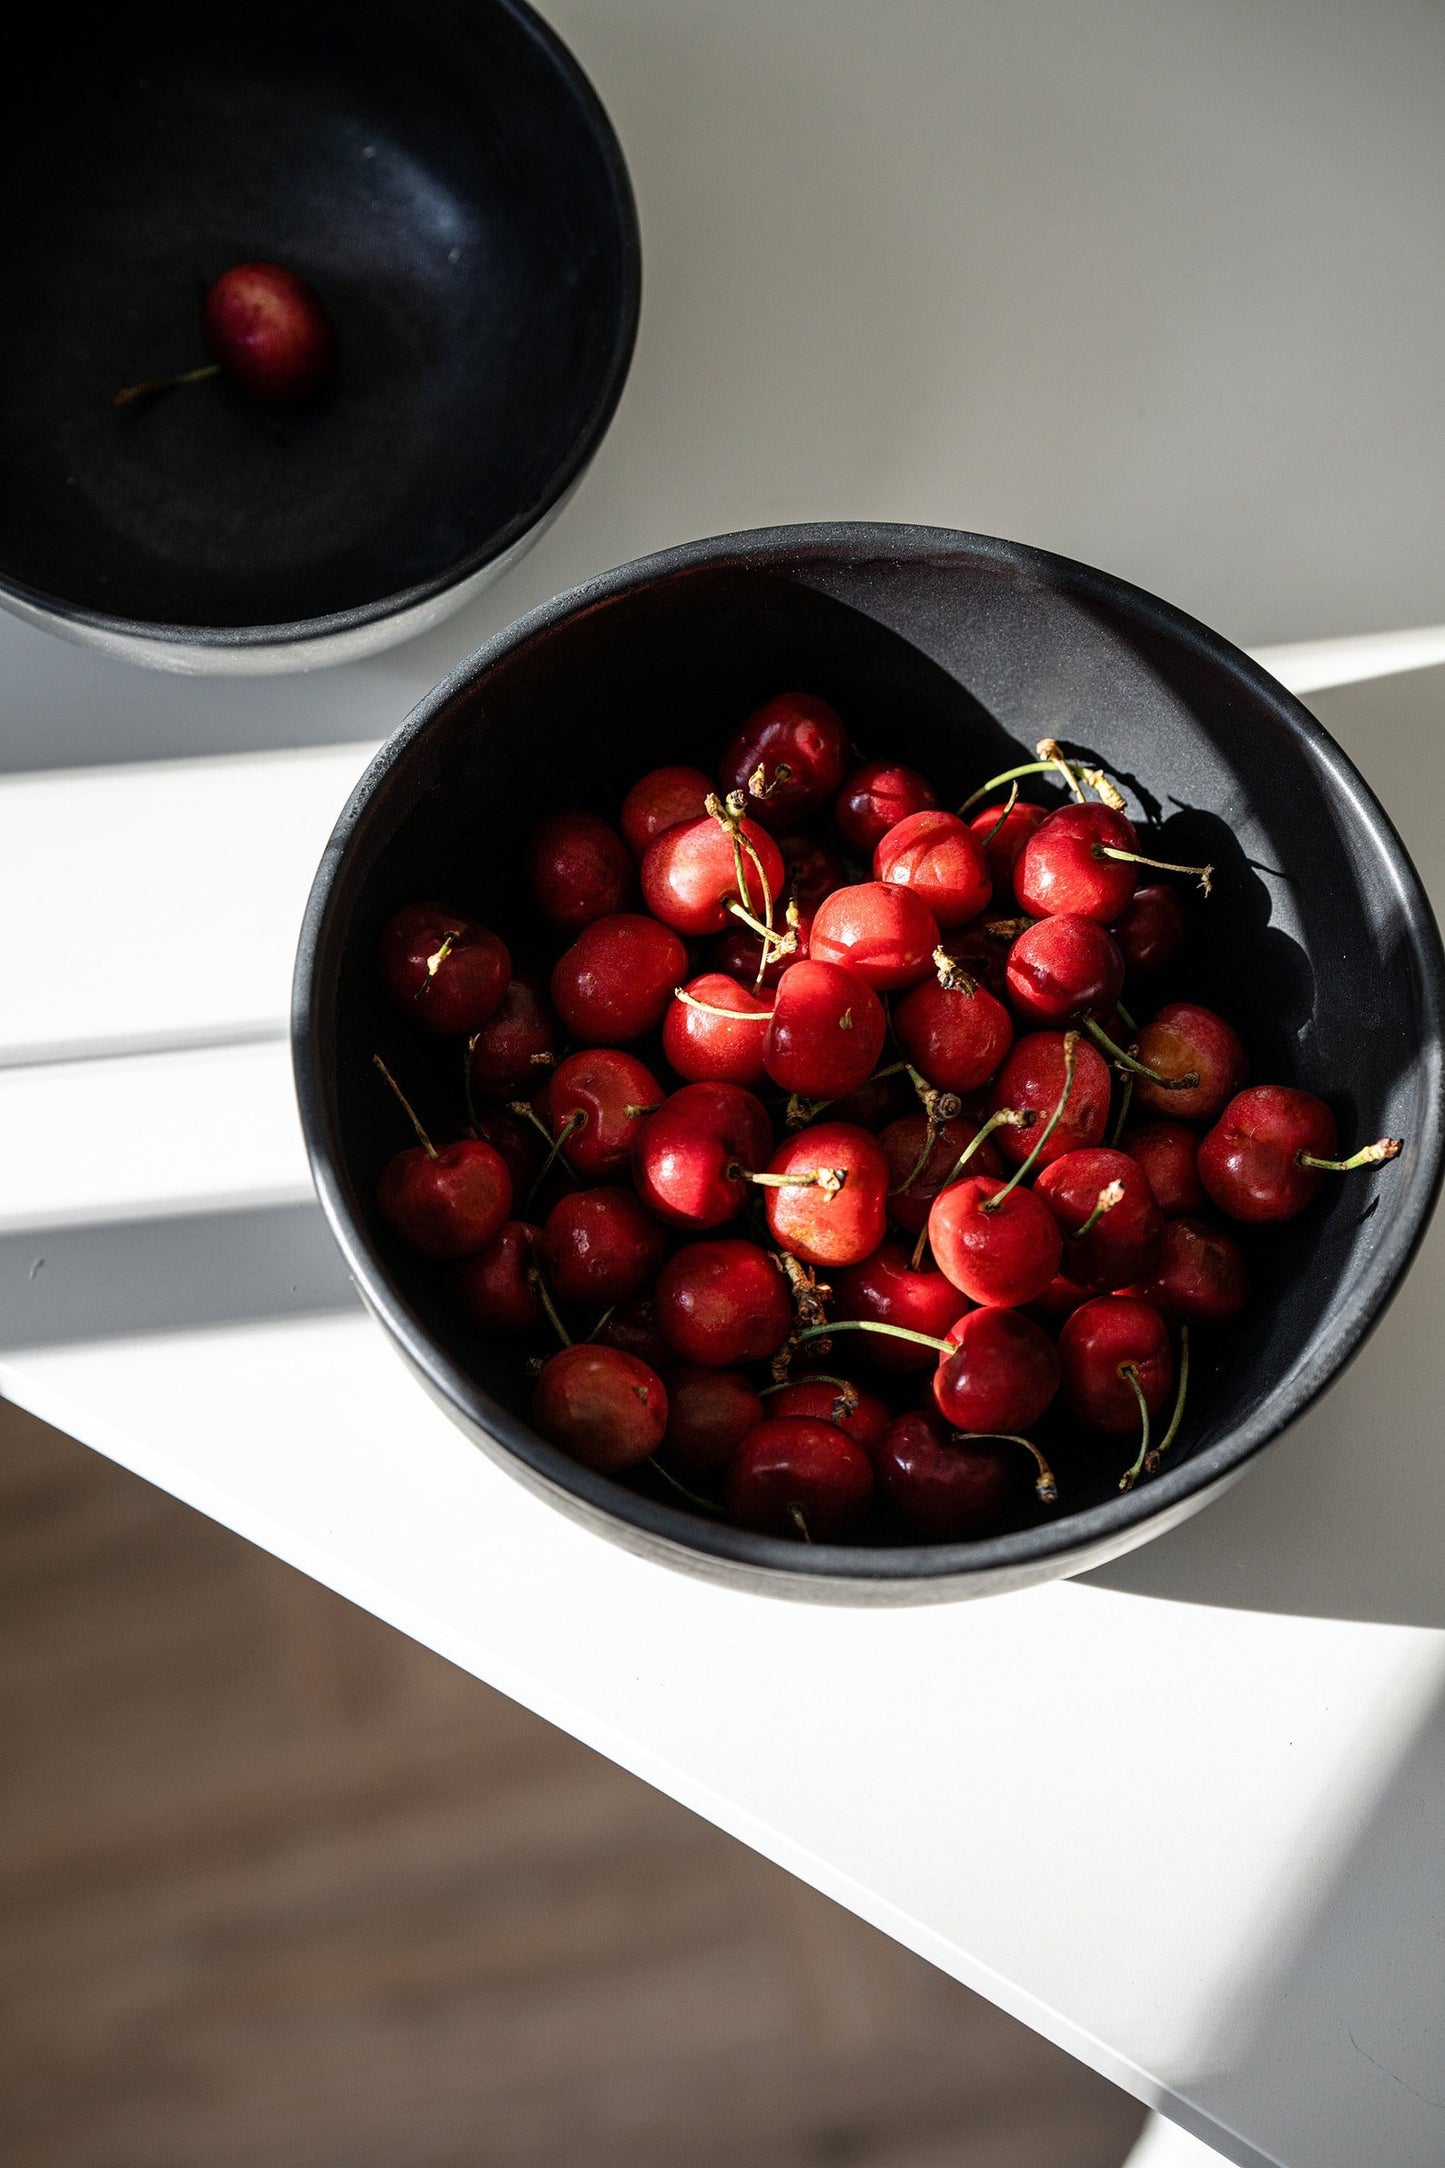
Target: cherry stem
pixel 574 1121
pixel 1046 1488
pixel 1125 1061
pixel 932 1129
pixel 1131 1477
pixel 1204 875
pixel 829 1179
pixel 915 1262
pixel 1007 929
pixel 152 385
pixel 1013 799
pixel 710 1008
pixel 795 1515
pixel 870 1324
pixel 1178 1416
pixel 1002 1118
pixel 1125 1018
pixel 602 1321
pixel 703 1505
pixel 434 963
pixel 544 1296
pixel 1125 1100
pixel 408 1108
pixel 1111 1194
pixel 800 1111
pixel 843 1406
pixel 467 1098
pixel 1369 1155
pixel 1010 775
pixel 759 788
pixel 1071 1055
pixel 780 944
pixel 951 975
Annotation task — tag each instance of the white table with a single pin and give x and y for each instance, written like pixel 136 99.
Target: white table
pixel 1153 285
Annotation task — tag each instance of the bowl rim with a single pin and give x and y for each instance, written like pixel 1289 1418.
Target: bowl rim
pixel 40 603
pixel 851 1570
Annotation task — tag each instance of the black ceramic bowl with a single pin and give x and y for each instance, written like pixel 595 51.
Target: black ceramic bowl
pixel 955 652
pixel 443 173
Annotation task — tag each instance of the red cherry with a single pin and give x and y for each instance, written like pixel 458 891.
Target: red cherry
pixel 705 1047
pixel 1266 1156
pixel 709 1413
pixel 795 1476
pixel 1064 866
pixel 616 980
pixel 1109 1194
pixel 632 1326
pixel 1002 1375
pixel 1059 1299
pixel 1064 969
pixel 954 1031
pixel 1199 1272
pixel 885 934
pixel 802 749
pixel 912 1186
pixel 268 331
pixel 663 798
pixel 597 1102
pixel 877 1100
pixel 740 953
pixel 1169 1154
pixel 860 1415
pixel 1031 1080
pixel 1152 930
pixel 1185 1040
pixel 886 1289
pixel 826 1032
pixel 943 1490
pixel 1098 1348
pixel 446 1201
pixel 693 1156
pixel 443 971
pixel 938 857
pixel 827 1194
pixel 600 1246
pixel 690 875
pixel 1002 836
pixel 810 870
pixel 979 955
pixel 518 1143
pixel 875 798
pixel 606 1409
pixel 723 1303
pixel 1000 1246
pixel 514 1048
pixel 578 870
pixel 497 1288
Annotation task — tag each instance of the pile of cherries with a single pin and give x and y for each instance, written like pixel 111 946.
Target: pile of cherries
pixel 823 1070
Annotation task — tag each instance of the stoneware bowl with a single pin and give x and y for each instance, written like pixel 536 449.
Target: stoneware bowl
pixel 446 178
pixel 956 652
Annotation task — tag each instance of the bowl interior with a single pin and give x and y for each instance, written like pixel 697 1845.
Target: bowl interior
pixel 957 655
pixel 444 176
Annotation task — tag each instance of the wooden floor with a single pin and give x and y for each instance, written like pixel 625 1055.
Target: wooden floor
pixel 279 1889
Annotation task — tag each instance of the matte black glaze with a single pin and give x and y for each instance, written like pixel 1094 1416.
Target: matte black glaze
pixel 441 171
pixel 956 652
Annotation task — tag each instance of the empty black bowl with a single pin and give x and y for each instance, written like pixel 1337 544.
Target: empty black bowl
pixel 443 173
pixel 955 652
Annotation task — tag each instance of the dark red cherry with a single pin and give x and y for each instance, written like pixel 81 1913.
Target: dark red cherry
pixel 497 1288
pixel 600 1246
pixel 269 333
pixel 709 1413
pixel 1063 970
pixel 938 857
pixel 1109 1194
pixel 1266 1156
pixel 518 1143
pixel 875 798
pixel 606 1409
pixel 885 934
pixel 446 1201
pixel 579 869
pixel 826 1032
pixel 956 1033
pixel 597 1102
pixel 690 875
pixel 693 1156
pixel 739 953
pixel 1152 930
pixel 810 870
pixel 442 970
pixel 723 1303
pixel 1098 1347
pixel 915 1180
pixel 706 1047
pixel 1185 1040
pixel 827 1194
pixel 1002 836
pixel 979 955
pixel 886 1289
pixel 1059 1299
pixel 663 798
pixel 1000 1249
pixel 1169 1154
pixel 633 1327
pixel 1065 867
pixel 1031 1080
pixel 1001 1376
pixel 877 1100
pixel 945 1490
pixel 801 747
pixel 859 1414
pixel 513 1050
pixel 795 1476
pixel 616 980
pixel 1198 1272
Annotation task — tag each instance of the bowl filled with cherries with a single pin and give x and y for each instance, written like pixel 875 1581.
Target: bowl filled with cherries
pixel 868 1062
